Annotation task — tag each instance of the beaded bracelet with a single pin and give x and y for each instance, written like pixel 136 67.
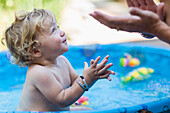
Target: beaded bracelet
pixel 147 35
pixel 84 85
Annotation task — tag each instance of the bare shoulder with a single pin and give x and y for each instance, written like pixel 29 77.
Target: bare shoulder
pixel 38 73
pixel 63 58
pixel 37 69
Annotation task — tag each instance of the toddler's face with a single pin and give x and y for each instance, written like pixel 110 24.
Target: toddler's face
pixel 53 40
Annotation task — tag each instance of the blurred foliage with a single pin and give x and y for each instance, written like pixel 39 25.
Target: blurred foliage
pixel 14 5
pixel 9 7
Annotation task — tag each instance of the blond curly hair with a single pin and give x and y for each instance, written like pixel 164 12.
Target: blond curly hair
pixel 20 37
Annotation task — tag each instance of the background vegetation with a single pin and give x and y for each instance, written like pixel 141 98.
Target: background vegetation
pixel 9 7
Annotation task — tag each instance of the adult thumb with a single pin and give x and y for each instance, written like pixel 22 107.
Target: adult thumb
pixel 160 11
pixel 139 12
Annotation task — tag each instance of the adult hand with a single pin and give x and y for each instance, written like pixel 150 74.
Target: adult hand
pixel 142 18
pixel 143 4
pixel 139 21
pixel 147 5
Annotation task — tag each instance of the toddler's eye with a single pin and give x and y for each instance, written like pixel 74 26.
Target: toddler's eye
pixel 53 29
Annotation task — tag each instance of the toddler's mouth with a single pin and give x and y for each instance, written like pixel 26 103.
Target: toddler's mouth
pixel 64 40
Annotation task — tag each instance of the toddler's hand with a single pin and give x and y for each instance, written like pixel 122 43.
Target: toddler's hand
pixel 97 71
pixel 106 58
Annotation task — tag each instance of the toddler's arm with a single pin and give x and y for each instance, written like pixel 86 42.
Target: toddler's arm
pixel 57 94
pixel 74 75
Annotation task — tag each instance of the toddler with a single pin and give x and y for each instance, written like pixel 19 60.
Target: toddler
pixel 35 40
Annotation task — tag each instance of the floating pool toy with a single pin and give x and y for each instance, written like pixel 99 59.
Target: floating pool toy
pixel 82 101
pixel 128 60
pixel 137 75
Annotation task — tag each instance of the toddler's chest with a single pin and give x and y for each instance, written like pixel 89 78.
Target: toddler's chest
pixel 62 76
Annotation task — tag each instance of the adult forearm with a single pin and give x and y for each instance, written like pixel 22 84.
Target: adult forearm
pixel 162 31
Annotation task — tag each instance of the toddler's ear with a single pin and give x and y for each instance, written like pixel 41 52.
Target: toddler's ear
pixel 35 52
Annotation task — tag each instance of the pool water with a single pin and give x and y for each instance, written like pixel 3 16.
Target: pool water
pixel 103 94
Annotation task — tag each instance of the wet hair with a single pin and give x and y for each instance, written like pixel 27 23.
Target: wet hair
pixel 21 36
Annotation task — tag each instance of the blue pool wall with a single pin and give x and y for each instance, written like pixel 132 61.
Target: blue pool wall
pixel 161 106
pixel 88 52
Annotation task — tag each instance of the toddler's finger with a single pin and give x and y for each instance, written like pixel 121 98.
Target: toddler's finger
pixel 102 64
pixel 96 61
pixel 85 65
pixel 91 62
pixel 109 78
pixel 105 68
pixel 107 57
pixel 112 72
pixel 104 75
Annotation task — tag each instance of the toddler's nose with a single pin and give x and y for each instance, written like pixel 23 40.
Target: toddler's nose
pixel 62 33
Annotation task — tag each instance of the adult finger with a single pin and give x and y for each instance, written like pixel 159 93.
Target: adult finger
pixel 136 3
pixel 114 22
pixel 150 2
pixel 103 18
pixel 130 4
pixel 160 11
pixel 140 13
pixel 143 4
pixel 151 6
